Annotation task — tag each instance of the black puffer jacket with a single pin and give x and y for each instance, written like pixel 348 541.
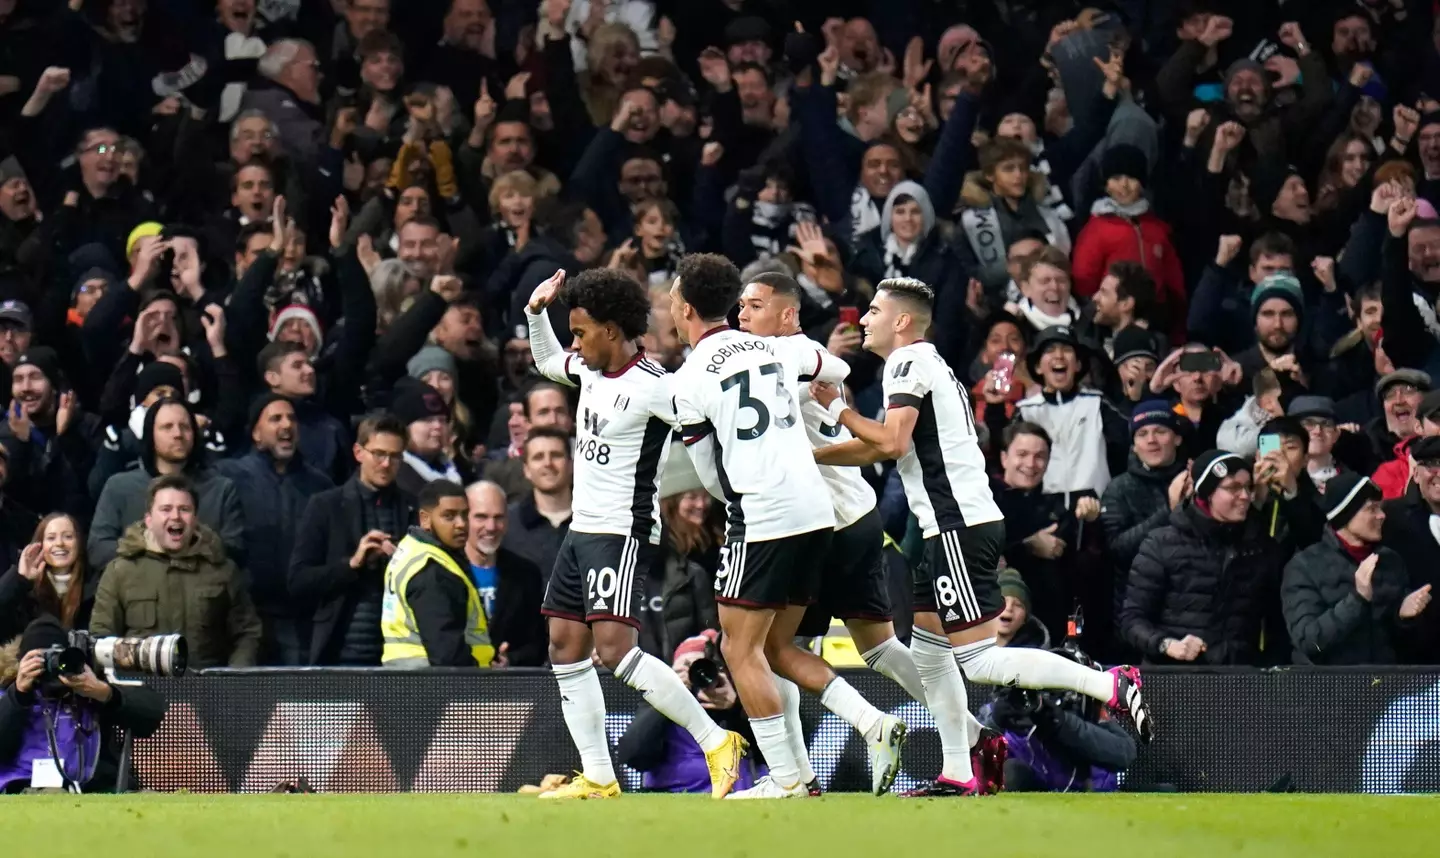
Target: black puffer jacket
pixel 1195 576
pixel 1329 622
pixel 1135 503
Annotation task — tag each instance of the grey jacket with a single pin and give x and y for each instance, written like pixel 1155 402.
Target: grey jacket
pixel 123 502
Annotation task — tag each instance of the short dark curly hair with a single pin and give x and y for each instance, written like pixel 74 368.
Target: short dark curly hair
pixel 710 283
pixel 609 295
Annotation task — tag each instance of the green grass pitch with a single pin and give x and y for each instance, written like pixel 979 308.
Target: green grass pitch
pixel 641 826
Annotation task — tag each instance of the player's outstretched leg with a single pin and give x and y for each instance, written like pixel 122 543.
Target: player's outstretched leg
pixel 582 702
pixel 1119 688
pixel 928 674
pixel 616 644
pixel 885 733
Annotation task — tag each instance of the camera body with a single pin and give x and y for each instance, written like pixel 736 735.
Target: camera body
pixel 705 671
pixel 160 655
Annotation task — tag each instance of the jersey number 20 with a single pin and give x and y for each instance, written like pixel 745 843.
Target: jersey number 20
pixel 762 412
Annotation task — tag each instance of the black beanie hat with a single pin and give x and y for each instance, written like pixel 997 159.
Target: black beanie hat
pixel 258 406
pixel 416 400
pixel 1125 160
pixel 1267 180
pixel 44 632
pixel 158 373
pixel 1210 469
pixel 47 361
pixel 1345 495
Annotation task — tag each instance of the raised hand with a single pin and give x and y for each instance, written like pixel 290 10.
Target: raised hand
pixel 1402 214
pixel 1286 70
pixel 711 154
pixel 546 292
pixel 1229 249
pixel 32 562
pixel 515 89
pixel 1292 38
pixel 917 68
pixel 53 80
pixel 339 221
pixel 1415 603
pixel 277 226
pixel 213 321
pixel 1217 29
pixel 715 69
pixel 1407 122
pixel 1324 268
pixel 484 106
pixel 65 411
pixel 1385 196
pixel 1229 135
pixel 20 424
pixel 976 66
pixel 1365 577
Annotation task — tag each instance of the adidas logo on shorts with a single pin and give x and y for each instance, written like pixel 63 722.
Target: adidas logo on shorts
pixel 601 606
pixel 951 616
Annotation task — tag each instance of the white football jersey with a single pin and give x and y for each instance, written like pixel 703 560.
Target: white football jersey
pixel 737 400
pixel 944 470
pixel 622 437
pixel 851 496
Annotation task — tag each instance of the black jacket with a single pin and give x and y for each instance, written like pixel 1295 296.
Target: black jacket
pixel 439 602
pixel 1407 531
pixel 19 608
pixel 273 503
pixel 1329 622
pixel 330 529
pixel 519 592
pixel 1134 504
pixel 1026 514
pixel 1195 576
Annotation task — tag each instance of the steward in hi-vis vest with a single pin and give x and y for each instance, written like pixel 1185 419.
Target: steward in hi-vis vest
pixel 432 614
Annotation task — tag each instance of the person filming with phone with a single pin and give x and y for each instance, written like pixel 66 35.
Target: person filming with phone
pixel 1201 382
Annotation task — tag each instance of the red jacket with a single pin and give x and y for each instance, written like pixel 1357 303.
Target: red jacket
pixel 1110 238
pixel 1393 477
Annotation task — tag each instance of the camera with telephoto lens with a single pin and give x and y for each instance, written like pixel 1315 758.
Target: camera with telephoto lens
pixel 705 670
pixel 160 655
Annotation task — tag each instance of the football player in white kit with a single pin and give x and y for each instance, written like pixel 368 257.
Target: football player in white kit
pixel 929 429
pixel 855 586
pixel 736 399
pixel 593 599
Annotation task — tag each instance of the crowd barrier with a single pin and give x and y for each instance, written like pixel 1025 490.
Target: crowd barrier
pixel 1312 730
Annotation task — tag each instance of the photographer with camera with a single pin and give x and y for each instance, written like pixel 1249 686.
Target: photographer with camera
pixel 58 717
pixel 1059 742
pixel 668 755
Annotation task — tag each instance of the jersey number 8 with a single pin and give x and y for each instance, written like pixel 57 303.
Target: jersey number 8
pixel 762 412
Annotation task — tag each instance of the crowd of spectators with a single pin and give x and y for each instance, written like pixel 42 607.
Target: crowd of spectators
pixel 263 268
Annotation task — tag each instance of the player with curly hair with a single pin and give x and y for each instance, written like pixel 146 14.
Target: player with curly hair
pixel 595 593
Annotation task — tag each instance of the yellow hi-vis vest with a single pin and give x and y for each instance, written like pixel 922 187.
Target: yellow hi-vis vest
pixel 403 647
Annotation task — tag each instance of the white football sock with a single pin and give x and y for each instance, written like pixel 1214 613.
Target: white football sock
pixel 794 729
pixel 770 735
pixel 663 690
pixel 985 663
pixel 853 709
pixel 583 704
pixel 892 659
pixel 945 696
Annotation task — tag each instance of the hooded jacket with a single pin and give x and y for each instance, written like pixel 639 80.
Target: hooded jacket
pixel 1197 576
pixel 123 500
pixel 878 254
pixel 196 591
